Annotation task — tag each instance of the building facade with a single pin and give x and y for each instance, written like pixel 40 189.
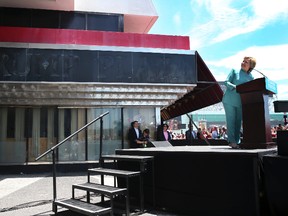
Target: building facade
pixel 63 65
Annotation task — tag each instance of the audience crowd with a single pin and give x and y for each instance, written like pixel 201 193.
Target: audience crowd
pixel 219 132
pixel 277 128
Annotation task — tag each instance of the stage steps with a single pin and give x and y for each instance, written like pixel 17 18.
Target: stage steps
pixel 98 188
pixel 83 207
pixel 113 172
pixel 111 192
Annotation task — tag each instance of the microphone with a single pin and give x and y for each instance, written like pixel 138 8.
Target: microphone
pixel 260 72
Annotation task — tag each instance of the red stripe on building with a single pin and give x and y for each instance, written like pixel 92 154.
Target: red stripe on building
pixel 99 38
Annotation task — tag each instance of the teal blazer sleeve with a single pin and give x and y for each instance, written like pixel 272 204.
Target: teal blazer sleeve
pixel 229 81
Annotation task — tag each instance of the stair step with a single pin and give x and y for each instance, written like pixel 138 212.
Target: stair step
pixel 98 188
pixel 83 207
pixel 138 158
pixel 114 172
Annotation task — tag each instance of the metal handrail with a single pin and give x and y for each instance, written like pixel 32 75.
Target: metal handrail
pixel 73 134
pixel 52 149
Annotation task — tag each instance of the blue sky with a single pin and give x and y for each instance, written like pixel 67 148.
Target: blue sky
pixel 224 31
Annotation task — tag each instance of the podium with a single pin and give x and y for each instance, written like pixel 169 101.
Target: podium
pixel 255 111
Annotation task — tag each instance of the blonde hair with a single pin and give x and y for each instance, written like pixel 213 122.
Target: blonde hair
pixel 252 62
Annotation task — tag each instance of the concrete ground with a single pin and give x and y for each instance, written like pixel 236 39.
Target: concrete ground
pixel 32 194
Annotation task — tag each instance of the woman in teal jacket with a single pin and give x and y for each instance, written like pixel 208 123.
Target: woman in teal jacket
pixel 232 101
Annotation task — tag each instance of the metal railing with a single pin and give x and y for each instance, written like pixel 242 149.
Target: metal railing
pixel 55 147
pixel 192 122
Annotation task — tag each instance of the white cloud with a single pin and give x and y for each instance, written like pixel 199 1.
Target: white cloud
pixel 177 19
pixel 282 92
pixel 270 9
pixel 227 20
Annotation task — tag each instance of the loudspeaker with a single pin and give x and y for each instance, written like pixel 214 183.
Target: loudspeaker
pixel 282 142
pixel 280 106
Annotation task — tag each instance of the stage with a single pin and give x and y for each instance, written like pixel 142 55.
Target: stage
pixel 204 180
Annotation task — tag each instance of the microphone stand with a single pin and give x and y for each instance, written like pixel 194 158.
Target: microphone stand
pixel 260 72
pixel 191 121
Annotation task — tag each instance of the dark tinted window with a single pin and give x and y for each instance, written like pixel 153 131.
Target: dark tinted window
pixel 15 17
pixel 70 20
pixel 103 22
